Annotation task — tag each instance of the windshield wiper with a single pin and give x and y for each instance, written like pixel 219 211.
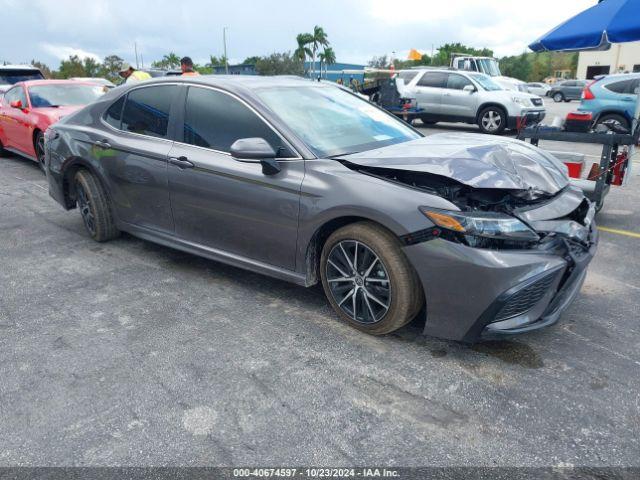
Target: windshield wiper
pixel 342 154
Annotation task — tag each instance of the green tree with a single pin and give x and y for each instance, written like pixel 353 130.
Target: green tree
pixel 280 64
pixel 46 71
pixel 168 62
pixel 380 62
pixel 251 60
pixel 72 67
pixel 216 62
pixel 303 51
pixel 517 66
pixel 91 67
pixel 327 57
pixel 110 67
pixel 320 39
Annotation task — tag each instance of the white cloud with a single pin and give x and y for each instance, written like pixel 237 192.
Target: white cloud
pixel 63 52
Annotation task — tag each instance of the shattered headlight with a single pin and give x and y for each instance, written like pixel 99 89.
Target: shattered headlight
pixel 523 102
pixel 482 224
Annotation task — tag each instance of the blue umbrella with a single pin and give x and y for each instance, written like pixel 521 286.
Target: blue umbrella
pixel 610 21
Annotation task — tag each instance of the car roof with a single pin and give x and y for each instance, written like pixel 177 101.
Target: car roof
pixel 232 83
pixel 619 76
pixel 19 67
pixel 33 83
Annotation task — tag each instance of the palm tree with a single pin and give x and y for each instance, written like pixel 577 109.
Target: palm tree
pixel 303 51
pixel 329 57
pixel 171 61
pixel 319 39
pixel 321 56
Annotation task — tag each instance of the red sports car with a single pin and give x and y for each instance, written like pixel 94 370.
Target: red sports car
pixel 28 108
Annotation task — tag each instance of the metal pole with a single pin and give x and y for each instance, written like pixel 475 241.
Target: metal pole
pixel 135 48
pixel 224 42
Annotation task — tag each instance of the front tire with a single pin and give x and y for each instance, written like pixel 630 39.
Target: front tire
pixel 38 145
pixel 492 120
pixel 558 97
pixel 93 203
pixel 368 280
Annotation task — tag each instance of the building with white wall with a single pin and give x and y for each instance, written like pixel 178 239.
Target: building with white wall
pixel 621 57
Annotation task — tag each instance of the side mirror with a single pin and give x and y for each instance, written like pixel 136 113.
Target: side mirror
pixel 469 88
pixel 16 104
pixel 256 149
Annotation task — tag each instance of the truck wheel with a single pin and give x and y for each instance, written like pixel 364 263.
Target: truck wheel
pixel 93 203
pixel 558 97
pixel 492 120
pixel 368 280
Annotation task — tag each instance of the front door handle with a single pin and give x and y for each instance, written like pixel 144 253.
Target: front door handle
pixel 102 144
pixel 181 162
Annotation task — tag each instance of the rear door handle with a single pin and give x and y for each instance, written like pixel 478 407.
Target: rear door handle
pixel 102 144
pixel 181 162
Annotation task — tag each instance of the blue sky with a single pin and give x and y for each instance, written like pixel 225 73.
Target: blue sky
pixel 49 30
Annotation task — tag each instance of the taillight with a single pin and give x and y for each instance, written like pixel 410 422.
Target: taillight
pixel 587 94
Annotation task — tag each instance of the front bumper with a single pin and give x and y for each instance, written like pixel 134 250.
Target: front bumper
pixel 473 294
pixel 526 117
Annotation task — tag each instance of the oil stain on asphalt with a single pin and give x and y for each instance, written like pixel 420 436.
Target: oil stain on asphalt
pixel 511 352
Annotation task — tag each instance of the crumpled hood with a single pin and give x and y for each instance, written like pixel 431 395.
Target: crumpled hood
pixel 480 161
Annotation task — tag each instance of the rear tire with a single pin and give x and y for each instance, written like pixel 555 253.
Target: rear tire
pixel 427 122
pixel 558 97
pixel 614 116
pixel 385 285
pixel 492 120
pixel 3 152
pixel 93 203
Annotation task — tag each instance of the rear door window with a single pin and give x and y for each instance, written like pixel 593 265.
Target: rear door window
pixel 146 110
pixel 215 120
pixel 433 79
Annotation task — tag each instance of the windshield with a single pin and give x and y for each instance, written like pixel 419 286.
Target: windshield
pixel 334 122
pixel 489 66
pixel 485 81
pixel 59 95
pixel 14 76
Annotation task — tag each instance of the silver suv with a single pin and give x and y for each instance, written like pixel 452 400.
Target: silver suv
pixel 470 97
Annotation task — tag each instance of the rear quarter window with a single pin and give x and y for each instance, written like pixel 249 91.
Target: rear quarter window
pixel 623 86
pixel 146 110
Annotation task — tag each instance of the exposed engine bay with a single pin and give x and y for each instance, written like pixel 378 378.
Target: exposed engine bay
pixel 565 215
pixel 463 196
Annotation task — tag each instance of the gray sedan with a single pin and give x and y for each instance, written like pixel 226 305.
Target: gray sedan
pixel 476 236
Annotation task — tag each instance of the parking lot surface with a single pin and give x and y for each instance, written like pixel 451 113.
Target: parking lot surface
pixel 129 353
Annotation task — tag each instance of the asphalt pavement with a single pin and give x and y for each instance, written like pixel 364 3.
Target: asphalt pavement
pixel 129 353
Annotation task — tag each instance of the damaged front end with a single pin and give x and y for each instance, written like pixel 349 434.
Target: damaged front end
pixel 509 261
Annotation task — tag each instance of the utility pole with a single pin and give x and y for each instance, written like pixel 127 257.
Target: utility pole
pixel 135 48
pixel 224 42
